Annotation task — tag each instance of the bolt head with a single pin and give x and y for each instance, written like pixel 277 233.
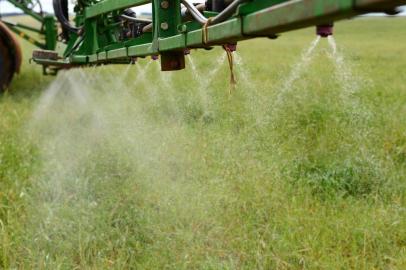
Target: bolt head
pixel 164 26
pixel 165 4
pixel 182 28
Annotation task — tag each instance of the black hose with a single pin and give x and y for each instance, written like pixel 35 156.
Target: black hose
pixel 135 19
pixel 61 13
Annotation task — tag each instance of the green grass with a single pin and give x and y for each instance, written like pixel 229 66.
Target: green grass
pixel 154 175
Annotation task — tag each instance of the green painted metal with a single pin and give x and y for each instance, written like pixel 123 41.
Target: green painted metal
pixel 102 41
pixel 256 5
pixel 91 38
pixel 118 53
pixel 50 32
pixel 172 43
pixel 295 15
pixel 141 50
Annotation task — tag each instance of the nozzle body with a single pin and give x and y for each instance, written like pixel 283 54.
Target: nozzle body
pixel 232 47
pixel 325 30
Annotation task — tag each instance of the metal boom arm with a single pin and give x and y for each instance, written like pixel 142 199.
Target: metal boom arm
pixel 108 36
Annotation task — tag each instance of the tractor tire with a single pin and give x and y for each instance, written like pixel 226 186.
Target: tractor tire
pixel 10 57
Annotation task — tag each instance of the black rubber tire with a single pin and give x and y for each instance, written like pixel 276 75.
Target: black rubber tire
pixel 7 69
pixel 10 56
pixel 61 11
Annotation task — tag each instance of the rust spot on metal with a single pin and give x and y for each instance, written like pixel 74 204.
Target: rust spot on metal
pixel 174 60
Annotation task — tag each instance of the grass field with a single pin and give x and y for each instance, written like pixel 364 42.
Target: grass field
pixel 104 169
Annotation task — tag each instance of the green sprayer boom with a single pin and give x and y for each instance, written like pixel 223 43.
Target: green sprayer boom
pixel 109 31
